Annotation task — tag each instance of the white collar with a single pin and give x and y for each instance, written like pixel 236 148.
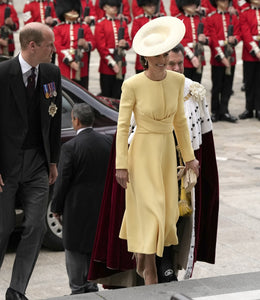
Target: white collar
pixel 81 129
pixel 25 66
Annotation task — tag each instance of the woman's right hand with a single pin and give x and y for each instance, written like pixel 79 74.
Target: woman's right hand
pixel 122 177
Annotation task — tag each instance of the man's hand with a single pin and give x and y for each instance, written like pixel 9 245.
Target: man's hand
pixel 53 173
pixel 202 38
pixel 87 19
pixel 116 68
pixel 74 66
pixel 122 43
pixel 258 55
pixel 195 62
pixel 232 40
pixel 9 21
pixel 3 42
pixel 122 177
pixel 49 21
pixel 83 43
pixel 225 62
pixel 1 183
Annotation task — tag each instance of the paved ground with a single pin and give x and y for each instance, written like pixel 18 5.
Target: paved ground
pixel 238 156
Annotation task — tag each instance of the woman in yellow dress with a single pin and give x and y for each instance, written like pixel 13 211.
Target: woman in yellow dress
pixel 148 170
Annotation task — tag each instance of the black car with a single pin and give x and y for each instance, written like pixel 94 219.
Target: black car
pixel 106 113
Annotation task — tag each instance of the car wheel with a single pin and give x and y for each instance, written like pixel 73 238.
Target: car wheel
pixel 53 237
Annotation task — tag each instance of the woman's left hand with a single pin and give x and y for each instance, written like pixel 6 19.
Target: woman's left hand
pixel 194 165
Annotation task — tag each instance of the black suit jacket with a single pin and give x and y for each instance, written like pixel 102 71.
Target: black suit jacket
pixel 79 187
pixel 13 113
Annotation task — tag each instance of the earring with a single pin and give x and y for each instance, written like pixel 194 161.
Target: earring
pixel 145 62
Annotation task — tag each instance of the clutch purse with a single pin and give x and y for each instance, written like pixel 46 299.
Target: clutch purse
pixel 188 181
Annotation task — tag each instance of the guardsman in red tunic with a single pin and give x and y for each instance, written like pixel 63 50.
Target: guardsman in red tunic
pixel 250 30
pixel 100 13
pixel 73 41
pixel 137 10
pixel 149 13
pixel 88 12
pixel 204 6
pixel 9 23
pixel 193 40
pixel 42 11
pixel 111 47
pixel 223 31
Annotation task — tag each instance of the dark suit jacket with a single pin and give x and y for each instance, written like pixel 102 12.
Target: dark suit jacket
pixel 79 187
pixel 13 113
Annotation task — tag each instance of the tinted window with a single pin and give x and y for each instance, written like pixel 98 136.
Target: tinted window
pixel 66 112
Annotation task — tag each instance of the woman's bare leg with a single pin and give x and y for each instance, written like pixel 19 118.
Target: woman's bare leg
pixel 146 268
pixel 140 264
pixel 150 270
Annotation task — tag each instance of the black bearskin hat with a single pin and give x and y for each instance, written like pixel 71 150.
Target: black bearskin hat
pixel 214 2
pixel 109 2
pixel 146 2
pixel 64 6
pixel 181 3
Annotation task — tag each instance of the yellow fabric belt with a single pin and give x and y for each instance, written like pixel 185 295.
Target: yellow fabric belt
pixel 146 124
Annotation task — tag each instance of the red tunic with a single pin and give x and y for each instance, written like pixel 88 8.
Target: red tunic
pixel 217 32
pixel 205 5
pixel 190 38
pixel 137 10
pixel 34 11
pixel 100 13
pixel 250 31
pixel 15 19
pixel 106 34
pixel 138 22
pixel 66 37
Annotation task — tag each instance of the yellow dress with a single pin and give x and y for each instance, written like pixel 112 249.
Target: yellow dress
pixel 151 212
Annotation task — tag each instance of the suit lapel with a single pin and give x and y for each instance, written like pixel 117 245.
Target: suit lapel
pixel 44 102
pixel 18 87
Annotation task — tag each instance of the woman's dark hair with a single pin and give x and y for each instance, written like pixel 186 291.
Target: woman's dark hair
pixel 144 62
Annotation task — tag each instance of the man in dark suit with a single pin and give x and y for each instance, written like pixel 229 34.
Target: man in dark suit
pixel 30 123
pixel 78 194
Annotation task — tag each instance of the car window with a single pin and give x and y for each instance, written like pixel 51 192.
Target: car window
pixel 105 110
pixel 67 104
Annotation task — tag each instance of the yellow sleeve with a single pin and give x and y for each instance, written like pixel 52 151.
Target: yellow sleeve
pixel 127 102
pixel 181 128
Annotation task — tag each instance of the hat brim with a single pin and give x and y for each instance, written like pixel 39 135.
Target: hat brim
pixel 158 36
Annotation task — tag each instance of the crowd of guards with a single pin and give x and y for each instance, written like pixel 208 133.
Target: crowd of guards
pixel 80 26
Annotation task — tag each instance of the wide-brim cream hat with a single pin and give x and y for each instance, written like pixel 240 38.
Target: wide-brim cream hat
pixel 158 36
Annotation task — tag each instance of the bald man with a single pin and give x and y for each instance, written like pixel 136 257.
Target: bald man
pixel 30 125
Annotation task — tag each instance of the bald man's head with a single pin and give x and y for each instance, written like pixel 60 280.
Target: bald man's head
pixel 32 32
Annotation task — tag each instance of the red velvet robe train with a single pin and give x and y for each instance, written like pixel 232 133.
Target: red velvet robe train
pixel 110 253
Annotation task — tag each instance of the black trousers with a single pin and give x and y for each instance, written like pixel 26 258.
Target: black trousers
pixel 221 89
pixel 111 86
pixel 28 182
pixel 251 77
pixel 77 265
pixel 192 74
